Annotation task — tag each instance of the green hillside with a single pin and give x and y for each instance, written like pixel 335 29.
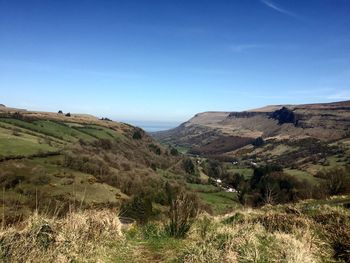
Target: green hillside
pixel 53 163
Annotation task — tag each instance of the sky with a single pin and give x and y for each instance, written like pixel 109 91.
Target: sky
pixel 166 60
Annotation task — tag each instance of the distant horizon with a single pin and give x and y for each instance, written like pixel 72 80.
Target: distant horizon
pixel 168 60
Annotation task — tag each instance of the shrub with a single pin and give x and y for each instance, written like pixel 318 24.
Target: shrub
pixel 137 135
pixel 189 166
pixel 174 152
pixel 154 148
pixel 9 181
pixel 335 226
pixel 139 208
pixel 16 132
pixel 258 142
pixel 184 208
pixel 41 180
pixel 214 169
pixel 337 181
pixel 234 179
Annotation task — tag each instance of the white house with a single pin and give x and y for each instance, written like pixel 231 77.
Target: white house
pixel 231 190
pixel 253 164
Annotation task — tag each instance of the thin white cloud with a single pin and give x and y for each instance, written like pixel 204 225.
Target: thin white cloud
pixel 340 95
pixel 279 9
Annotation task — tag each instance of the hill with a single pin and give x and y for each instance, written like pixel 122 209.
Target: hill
pixel 53 162
pixel 328 121
pixel 314 129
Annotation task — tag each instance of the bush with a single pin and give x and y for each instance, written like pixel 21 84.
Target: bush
pixel 139 208
pixel 41 180
pixel 9 181
pixel 189 166
pixel 184 208
pixel 154 148
pixel 174 152
pixel 258 142
pixel 214 169
pixel 137 135
pixel 336 181
pixel 16 132
pixel 234 179
pixel 270 185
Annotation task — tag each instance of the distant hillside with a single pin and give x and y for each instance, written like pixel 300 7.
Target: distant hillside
pixel 310 130
pixel 327 121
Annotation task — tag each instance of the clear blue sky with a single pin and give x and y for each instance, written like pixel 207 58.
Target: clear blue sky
pixel 166 60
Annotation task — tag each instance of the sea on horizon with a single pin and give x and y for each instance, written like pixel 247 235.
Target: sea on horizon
pixel 153 126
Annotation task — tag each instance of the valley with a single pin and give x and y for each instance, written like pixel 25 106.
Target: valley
pixel 232 186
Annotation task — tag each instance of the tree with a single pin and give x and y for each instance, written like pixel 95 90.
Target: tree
pixel 234 179
pixel 189 166
pixel 215 169
pixel 68 114
pixel 174 152
pixel 269 194
pixel 139 208
pixel 258 142
pixel 60 112
pixel 337 181
pixel 242 191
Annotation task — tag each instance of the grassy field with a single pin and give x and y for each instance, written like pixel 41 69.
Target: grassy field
pixel 50 128
pixel 43 178
pixel 302 175
pixel 246 172
pixel 218 200
pixel 332 162
pixel 282 149
pixel 100 132
pixel 22 138
pixel 22 144
pixel 204 188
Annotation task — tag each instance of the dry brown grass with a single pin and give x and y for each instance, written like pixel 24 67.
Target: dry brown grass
pixel 247 239
pixel 80 236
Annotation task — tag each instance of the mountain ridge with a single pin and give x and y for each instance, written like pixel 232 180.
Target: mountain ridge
pixel 322 121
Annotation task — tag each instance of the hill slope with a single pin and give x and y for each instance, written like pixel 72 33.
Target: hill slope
pixel 54 161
